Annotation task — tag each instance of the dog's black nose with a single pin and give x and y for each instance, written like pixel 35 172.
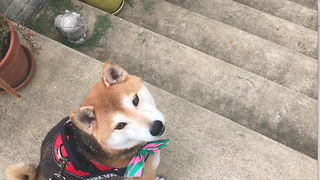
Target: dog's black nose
pixel 157 128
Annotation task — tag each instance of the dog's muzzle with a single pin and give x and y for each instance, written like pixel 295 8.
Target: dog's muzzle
pixel 157 128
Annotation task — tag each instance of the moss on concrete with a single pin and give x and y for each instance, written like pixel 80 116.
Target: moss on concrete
pixel 43 23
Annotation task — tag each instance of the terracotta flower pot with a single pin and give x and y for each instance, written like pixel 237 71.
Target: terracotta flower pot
pixel 17 66
pixel 110 6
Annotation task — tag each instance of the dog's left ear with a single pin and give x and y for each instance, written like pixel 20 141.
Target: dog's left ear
pixel 113 74
pixel 84 118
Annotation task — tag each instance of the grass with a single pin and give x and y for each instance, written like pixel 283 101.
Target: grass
pixel 101 26
pixel 142 37
pixel 242 78
pixel 148 6
pixel 44 23
pixel 247 79
pixel 129 2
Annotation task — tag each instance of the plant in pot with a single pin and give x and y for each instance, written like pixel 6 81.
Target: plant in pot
pixel 16 60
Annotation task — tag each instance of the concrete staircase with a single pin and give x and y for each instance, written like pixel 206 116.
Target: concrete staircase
pixel 236 80
pixel 282 73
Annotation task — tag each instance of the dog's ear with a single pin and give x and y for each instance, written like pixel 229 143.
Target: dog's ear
pixel 113 74
pixel 84 118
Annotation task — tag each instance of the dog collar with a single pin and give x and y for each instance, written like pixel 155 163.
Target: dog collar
pixel 84 168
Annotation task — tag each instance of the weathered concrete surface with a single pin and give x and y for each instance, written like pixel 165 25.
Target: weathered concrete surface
pixel 264 106
pixel 266 26
pixel 309 3
pixel 4 4
pixel 287 10
pixel 244 50
pixel 21 10
pixel 203 144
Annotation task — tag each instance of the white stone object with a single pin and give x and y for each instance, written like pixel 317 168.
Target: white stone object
pixel 72 26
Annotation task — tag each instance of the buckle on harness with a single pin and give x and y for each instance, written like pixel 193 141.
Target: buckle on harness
pixel 62 163
pixel 57 176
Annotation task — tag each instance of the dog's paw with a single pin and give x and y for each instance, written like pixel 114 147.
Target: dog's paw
pixel 159 178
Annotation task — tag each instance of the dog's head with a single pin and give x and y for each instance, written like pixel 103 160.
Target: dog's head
pixel 119 111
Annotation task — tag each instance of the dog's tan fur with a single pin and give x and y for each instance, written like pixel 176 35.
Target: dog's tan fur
pixel 20 171
pixel 96 117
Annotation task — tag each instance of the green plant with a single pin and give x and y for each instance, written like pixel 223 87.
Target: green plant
pixel 101 26
pixel 4 36
pixel 28 36
pixel 21 29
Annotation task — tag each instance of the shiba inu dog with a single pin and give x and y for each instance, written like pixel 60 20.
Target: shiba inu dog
pixel 117 120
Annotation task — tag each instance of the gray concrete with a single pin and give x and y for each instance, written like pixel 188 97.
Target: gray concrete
pixel 204 98
pixel 257 103
pixel 4 4
pixel 287 10
pixel 203 144
pixel 21 10
pixel 277 30
pixel 15 8
pixel 309 3
pixel 244 50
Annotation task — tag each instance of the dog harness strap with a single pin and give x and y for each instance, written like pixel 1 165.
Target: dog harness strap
pixel 78 161
pixel 83 168
pixel 79 165
pixel 106 174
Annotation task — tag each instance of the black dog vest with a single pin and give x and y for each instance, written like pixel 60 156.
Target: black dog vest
pixel 60 143
pixel 60 138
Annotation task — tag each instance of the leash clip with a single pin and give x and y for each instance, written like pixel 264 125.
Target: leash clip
pixel 62 163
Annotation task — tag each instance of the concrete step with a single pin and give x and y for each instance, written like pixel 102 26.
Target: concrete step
pixel 244 50
pixel 266 26
pixel 287 10
pixel 4 4
pixel 203 145
pixel 308 3
pixel 21 10
pixel 255 102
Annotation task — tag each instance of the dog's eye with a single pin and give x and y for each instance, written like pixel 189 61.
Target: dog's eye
pixel 135 100
pixel 120 126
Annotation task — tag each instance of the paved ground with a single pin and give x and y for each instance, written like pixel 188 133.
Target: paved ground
pixel 239 77
pixel 203 145
pixel 258 83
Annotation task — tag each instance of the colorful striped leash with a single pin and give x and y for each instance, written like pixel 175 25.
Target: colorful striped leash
pixel 137 163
